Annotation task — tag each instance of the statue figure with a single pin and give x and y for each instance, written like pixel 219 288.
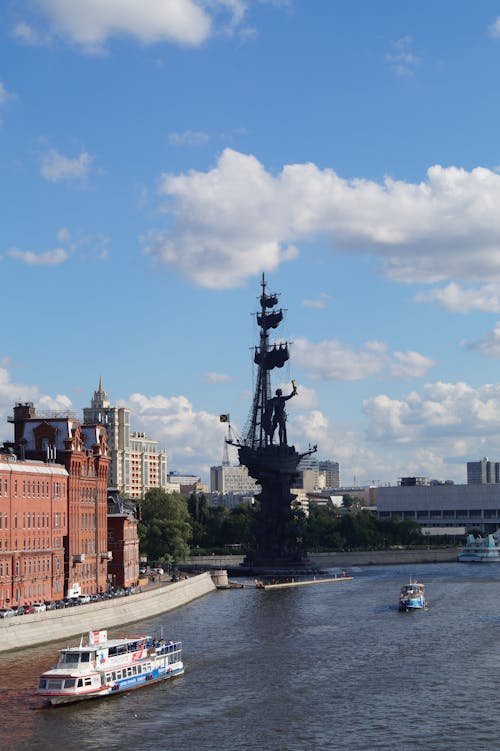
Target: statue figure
pixel 276 406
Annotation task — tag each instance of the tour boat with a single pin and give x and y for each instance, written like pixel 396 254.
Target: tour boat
pixel 481 549
pixel 101 667
pixel 412 597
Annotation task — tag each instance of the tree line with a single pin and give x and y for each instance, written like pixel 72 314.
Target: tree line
pixel 173 526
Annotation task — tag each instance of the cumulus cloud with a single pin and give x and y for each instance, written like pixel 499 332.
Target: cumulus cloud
pixel 489 345
pixel 46 258
pixel 459 299
pixel 238 219
pixel 193 439
pixel 57 168
pixel 440 411
pixel 410 364
pixel 333 361
pixel 92 23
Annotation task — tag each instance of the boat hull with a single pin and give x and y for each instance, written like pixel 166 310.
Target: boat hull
pixel 148 680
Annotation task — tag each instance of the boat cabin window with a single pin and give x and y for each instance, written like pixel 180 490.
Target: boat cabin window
pixel 73 658
pixel 69 683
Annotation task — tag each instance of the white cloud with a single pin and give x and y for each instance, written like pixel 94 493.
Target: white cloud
pixel 319 302
pixel 4 95
pixel 188 138
pixel 217 378
pixel 442 412
pixel 57 168
pixel 194 440
pixel 494 28
pixel 47 258
pixel 489 345
pixel 333 361
pixel 91 23
pixel 27 34
pixel 238 219
pixel 402 60
pixel 460 299
pixel 410 365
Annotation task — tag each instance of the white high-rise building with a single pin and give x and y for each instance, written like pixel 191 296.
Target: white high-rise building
pixel 137 464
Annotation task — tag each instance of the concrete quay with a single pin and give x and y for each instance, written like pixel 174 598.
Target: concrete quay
pixel 335 560
pixel 23 631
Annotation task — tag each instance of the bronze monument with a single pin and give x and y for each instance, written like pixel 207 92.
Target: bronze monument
pixel 278 528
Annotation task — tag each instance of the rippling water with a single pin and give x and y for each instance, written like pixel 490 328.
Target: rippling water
pixel 330 666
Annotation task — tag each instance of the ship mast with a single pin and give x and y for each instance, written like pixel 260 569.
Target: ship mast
pixel 266 357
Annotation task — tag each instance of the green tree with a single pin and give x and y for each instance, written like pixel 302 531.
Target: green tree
pixel 165 529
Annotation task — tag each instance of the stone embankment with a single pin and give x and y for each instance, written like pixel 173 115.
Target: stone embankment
pixel 39 628
pixel 339 560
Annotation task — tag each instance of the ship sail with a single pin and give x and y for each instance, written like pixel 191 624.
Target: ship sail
pixel 268 301
pixel 270 320
pixel 276 357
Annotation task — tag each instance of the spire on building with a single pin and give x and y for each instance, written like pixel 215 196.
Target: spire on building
pixel 100 398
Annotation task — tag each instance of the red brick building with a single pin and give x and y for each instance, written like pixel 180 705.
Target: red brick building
pixel 83 451
pixel 123 541
pixel 33 527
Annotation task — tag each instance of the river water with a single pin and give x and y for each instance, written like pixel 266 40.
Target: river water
pixel 315 668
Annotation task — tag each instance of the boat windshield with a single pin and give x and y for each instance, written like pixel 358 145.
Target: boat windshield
pixel 73 658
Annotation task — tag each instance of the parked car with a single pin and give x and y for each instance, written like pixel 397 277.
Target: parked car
pixel 29 609
pixel 60 604
pixel 6 612
pixel 50 605
pixel 39 607
pixel 20 610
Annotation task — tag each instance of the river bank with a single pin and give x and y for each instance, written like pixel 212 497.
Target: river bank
pixel 335 560
pixel 39 628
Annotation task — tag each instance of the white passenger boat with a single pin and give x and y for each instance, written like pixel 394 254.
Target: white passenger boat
pixel 481 549
pixel 412 597
pixel 101 667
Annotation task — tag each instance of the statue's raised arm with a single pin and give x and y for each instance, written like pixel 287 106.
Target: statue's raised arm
pixel 279 413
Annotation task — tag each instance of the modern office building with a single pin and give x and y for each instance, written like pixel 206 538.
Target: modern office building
pixel 317 474
pixel 330 472
pixel 136 462
pixel 483 472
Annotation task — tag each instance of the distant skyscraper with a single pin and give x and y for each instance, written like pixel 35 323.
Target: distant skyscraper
pixel 137 464
pixel 321 473
pixel 483 472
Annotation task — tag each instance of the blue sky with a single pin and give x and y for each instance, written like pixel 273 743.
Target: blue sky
pixel 157 157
